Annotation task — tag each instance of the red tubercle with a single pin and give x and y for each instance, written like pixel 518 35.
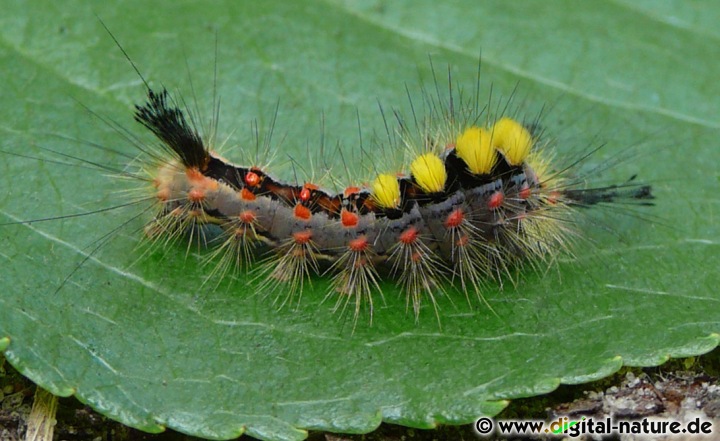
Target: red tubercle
pixel 252 179
pixel 302 212
pixel 525 192
pixel 351 191
pixel 455 219
pixel 193 174
pixel 306 191
pixel 358 244
pixel 247 216
pixel 496 200
pixel 247 195
pixel 302 237
pixel 348 219
pixel 196 195
pixel 409 236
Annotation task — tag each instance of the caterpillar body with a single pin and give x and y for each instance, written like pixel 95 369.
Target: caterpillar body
pixel 479 199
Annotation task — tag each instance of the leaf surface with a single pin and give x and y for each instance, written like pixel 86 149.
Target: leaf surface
pixel 143 339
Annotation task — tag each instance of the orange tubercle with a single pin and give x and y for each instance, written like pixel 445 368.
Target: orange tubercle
pixel 409 236
pixel 196 195
pixel 252 179
pixel 302 212
pixel 348 219
pixel 455 219
pixel 359 244
pixel 194 174
pixel 302 237
pixel 496 200
pixel 525 192
pixel 247 216
pixel 349 191
pixel 247 195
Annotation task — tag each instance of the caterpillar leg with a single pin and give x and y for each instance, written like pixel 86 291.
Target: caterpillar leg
pixel 355 278
pixel 417 269
pixel 286 271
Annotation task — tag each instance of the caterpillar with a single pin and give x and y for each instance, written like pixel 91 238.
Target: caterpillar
pixel 478 200
pixel 480 197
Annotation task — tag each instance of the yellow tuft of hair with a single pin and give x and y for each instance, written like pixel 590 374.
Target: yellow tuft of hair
pixel 512 139
pixel 429 173
pixel 386 191
pixel 476 150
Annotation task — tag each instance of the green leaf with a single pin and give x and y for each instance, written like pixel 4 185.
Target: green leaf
pixel 143 340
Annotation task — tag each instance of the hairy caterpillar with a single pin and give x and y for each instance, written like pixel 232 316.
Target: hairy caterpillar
pixel 479 198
